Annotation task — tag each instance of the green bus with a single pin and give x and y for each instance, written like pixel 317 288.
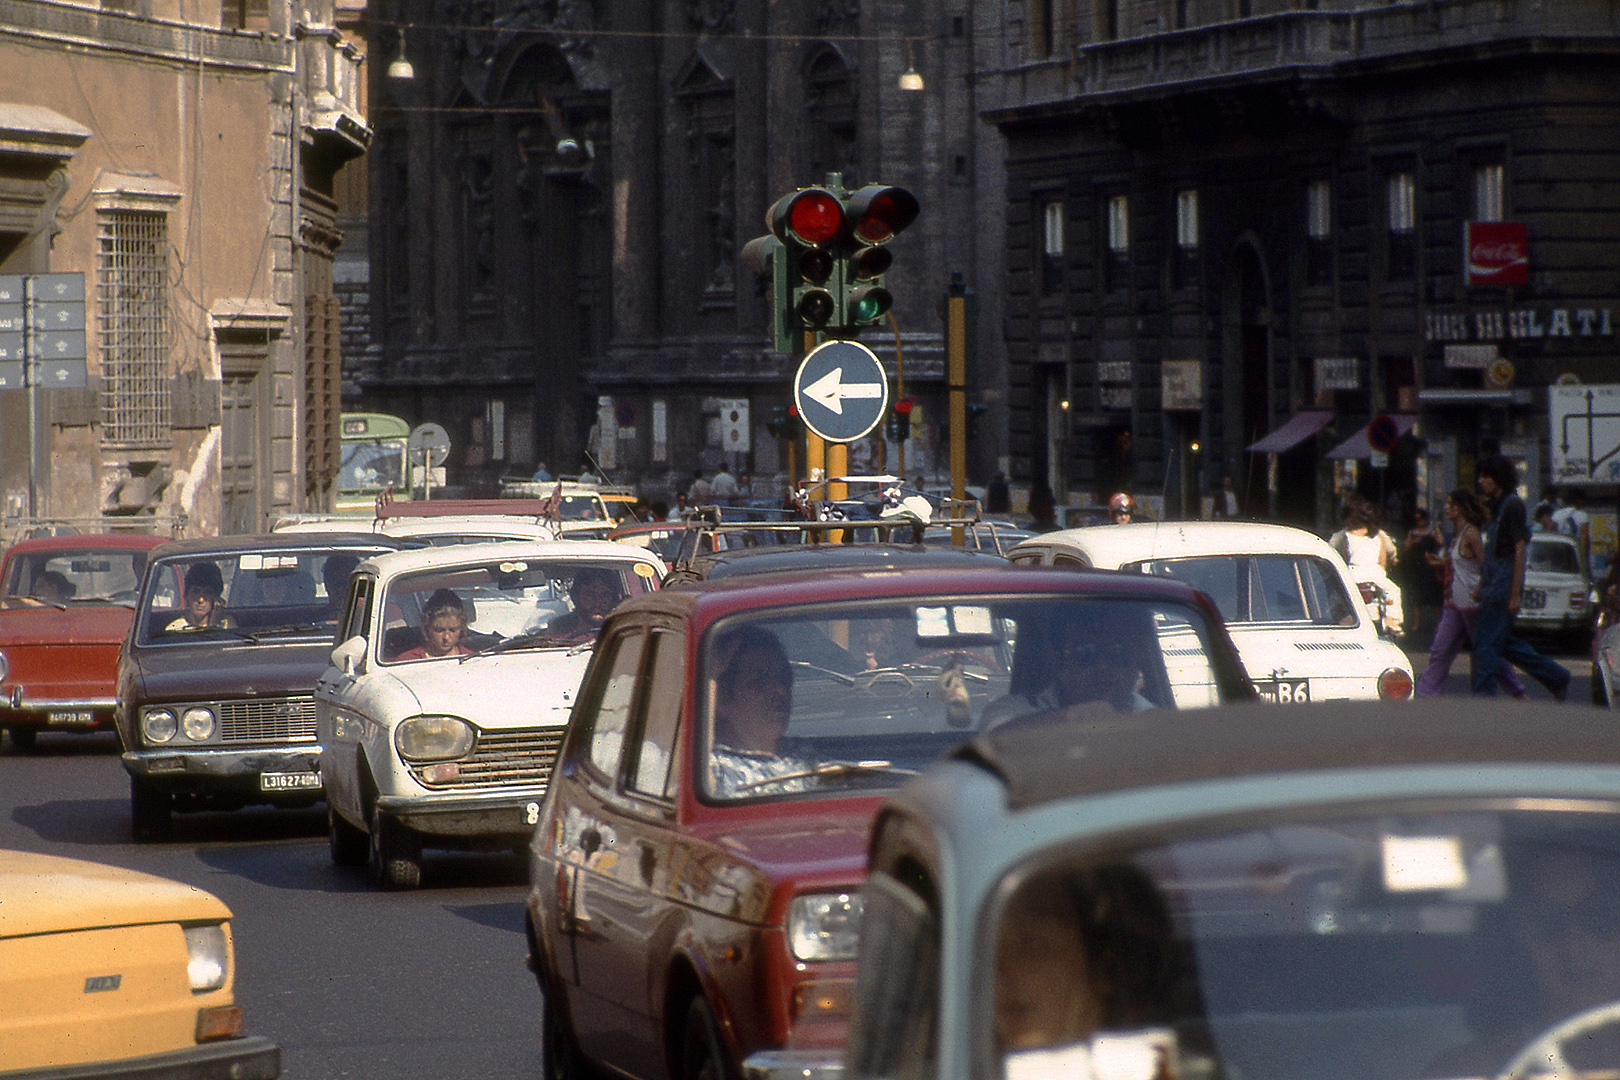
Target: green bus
pixel 372 461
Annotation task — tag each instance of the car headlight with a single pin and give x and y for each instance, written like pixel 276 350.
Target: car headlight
pixel 433 738
pixel 824 926
pixel 198 723
pixel 209 957
pixel 159 725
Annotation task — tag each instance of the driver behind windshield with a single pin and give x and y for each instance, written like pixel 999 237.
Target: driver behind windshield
pixel 753 697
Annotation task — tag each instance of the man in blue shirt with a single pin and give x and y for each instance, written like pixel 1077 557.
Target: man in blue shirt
pixel 1501 584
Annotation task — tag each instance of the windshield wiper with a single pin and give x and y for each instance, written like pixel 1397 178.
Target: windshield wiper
pixel 524 641
pixel 292 628
pixel 833 768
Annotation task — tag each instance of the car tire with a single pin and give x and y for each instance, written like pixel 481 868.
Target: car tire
pixel 150 812
pixel 559 1052
pixel 23 738
pixel 396 854
pixel 703 1054
pixel 350 846
pixel 1600 691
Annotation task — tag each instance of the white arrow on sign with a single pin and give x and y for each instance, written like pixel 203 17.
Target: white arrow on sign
pixel 830 391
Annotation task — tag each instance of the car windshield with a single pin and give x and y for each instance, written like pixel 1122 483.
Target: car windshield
pixel 861 695
pixel 88 576
pixel 462 609
pixel 1453 942
pixel 1263 588
pixel 372 464
pixel 252 595
pixel 1554 557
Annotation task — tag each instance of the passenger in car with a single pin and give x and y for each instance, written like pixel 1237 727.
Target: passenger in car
pixel 1085 669
pixel 204 588
pixel 444 623
pixel 753 698
pixel 52 588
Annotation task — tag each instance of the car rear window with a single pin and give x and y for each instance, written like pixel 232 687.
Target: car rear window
pixel 1553 557
pixel 1263 588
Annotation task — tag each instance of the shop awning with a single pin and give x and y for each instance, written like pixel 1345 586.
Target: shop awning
pixel 1356 446
pixel 1298 428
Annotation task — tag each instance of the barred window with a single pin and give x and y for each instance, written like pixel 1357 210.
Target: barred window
pixel 132 290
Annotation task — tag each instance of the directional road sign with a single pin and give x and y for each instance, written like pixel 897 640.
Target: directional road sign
pixel 1584 425
pixel 841 390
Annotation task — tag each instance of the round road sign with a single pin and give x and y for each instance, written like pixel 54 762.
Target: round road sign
pixel 1383 433
pixel 429 439
pixel 841 390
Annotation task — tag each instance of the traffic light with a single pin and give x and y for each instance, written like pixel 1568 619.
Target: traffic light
pixel 974 411
pixel 808 222
pixel 900 430
pixel 875 214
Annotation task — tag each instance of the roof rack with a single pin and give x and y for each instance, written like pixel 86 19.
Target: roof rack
pixel 21 527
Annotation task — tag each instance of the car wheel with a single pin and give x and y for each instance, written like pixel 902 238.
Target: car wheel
pixel 1600 692
pixel 559 1053
pixel 23 738
pixel 396 854
pixel 350 846
pixel 703 1055
pixel 149 811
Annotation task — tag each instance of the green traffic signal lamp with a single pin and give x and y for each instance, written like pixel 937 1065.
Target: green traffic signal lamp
pixel 866 304
pixel 815 308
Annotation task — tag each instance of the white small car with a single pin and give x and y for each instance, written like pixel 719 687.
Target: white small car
pixel 1556 596
pixel 1293 611
pixel 434 740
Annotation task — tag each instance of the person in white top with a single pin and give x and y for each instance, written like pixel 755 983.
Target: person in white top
pixel 724 486
pixel 1369 551
pixel 1573 520
pixel 1466 514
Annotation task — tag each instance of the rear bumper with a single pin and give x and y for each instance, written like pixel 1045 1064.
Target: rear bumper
pixel 793 1065
pixel 251 1058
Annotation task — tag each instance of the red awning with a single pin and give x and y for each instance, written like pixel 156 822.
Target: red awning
pixel 1356 446
pixel 1298 428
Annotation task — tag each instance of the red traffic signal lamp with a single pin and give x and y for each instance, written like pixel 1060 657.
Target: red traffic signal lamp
pixel 901 418
pixel 876 214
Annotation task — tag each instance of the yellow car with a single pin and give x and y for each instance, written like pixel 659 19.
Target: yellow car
pixel 109 972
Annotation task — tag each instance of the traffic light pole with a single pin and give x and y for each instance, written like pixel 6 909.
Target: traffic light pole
pixel 899 394
pixel 956 382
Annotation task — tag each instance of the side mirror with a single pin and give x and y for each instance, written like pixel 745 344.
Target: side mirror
pixel 350 656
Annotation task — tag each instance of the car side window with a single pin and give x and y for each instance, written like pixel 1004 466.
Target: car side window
pixel 611 717
pixel 651 773
pixel 1069 561
pixel 357 613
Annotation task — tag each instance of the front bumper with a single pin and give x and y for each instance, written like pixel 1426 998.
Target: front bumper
pixel 503 815
pixel 65 713
pixel 816 1064
pixel 252 1058
pixel 197 768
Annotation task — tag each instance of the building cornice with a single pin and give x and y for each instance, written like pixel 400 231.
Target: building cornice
pixel 99 31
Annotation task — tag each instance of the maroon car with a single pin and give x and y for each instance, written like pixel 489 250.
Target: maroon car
pixel 696 868
pixel 65 605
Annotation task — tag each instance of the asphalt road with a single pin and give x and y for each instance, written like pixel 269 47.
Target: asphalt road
pixel 349 981
pixel 352 983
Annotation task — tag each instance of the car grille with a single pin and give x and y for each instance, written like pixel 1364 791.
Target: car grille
pixel 1329 646
pixel 522 758
pixel 267 720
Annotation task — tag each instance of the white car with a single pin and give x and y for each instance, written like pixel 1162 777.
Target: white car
pixel 1293 611
pixel 455 751
pixel 1556 596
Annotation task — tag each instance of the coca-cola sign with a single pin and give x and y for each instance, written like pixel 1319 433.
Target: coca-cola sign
pixel 1498 253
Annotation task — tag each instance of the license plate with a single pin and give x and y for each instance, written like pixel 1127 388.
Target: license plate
pixel 73 718
pixel 289 781
pixel 1285 691
pixel 1533 600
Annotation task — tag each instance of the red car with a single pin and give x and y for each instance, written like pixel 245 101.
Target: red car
pixel 65 604
pixel 697 864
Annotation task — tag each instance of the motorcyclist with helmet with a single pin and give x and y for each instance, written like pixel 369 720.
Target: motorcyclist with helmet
pixel 1121 508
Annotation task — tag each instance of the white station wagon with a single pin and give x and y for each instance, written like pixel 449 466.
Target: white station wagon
pixel 1289 602
pixel 429 744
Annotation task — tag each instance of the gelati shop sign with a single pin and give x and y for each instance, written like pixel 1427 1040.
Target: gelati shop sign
pixel 1498 252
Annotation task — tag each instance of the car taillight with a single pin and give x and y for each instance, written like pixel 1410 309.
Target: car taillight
pixel 1577 599
pixel 1395 685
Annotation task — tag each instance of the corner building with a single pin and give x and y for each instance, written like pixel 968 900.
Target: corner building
pixel 1242 222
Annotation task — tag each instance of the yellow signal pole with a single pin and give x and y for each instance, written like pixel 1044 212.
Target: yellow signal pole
pixel 956 381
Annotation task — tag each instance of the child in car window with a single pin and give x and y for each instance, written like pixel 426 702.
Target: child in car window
pixel 444 623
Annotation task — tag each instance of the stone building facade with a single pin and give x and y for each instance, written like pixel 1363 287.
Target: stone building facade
pixel 566 187
pixel 181 168
pixel 1234 219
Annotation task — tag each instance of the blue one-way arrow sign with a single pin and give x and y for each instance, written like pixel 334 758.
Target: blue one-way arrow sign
pixel 841 390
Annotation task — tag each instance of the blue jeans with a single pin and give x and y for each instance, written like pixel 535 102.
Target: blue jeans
pixel 1494 642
